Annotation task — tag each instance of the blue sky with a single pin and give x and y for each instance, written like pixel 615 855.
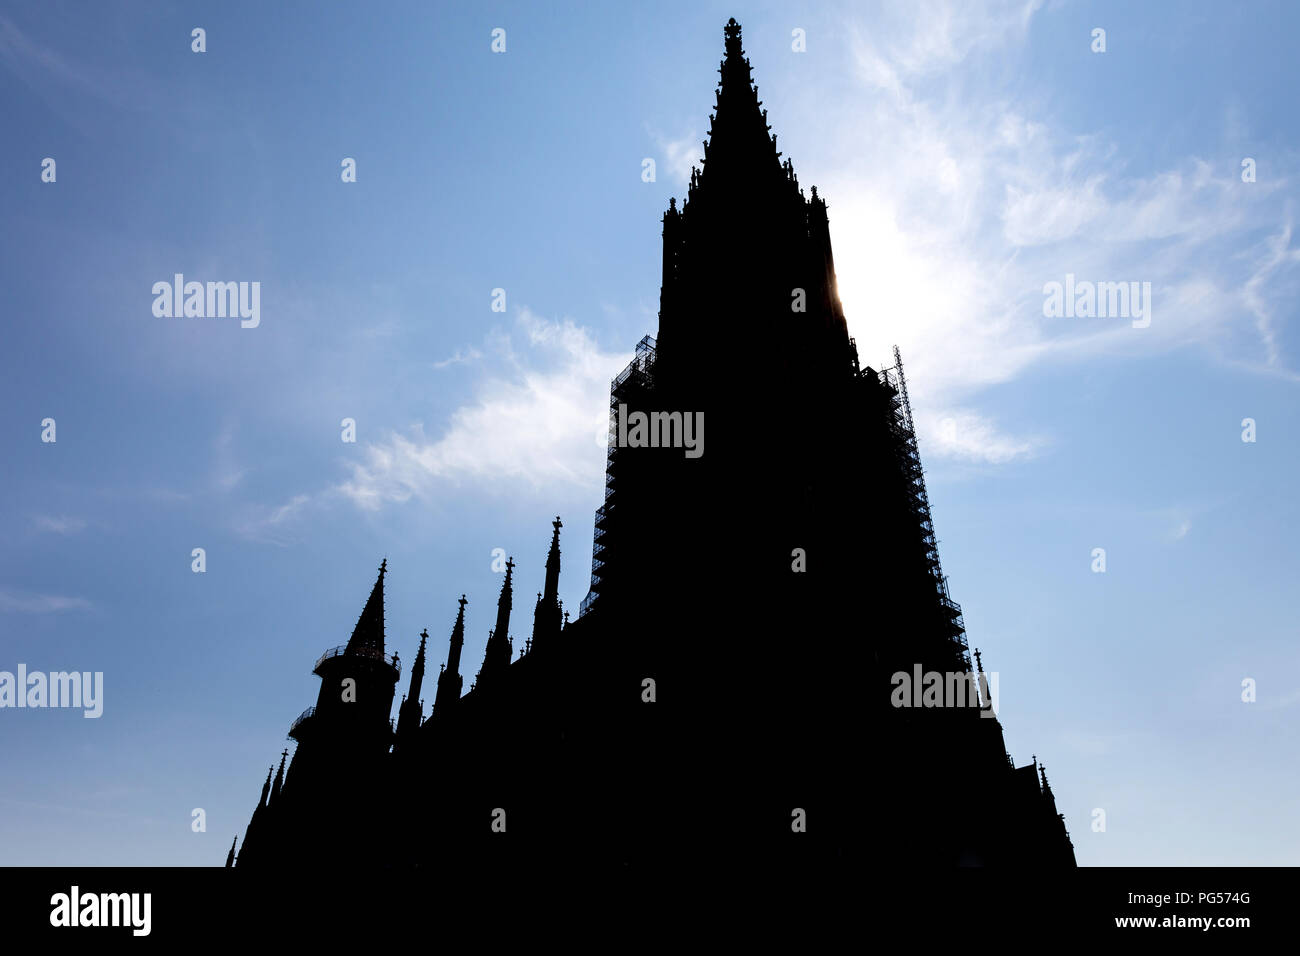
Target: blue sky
pixel 970 154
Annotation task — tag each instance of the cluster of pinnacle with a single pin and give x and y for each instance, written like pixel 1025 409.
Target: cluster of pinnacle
pixel 368 636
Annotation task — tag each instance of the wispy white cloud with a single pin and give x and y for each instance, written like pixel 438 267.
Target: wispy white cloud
pixel 911 41
pixel 968 436
pixel 60 524
pixel 227 472
pixel 1174 522
pixel 272 526
pixel 533 421
pixel 461 357
pixel 53 74
pixel 957 199
pixel 679 155
pixel 1276 255
pixel 24 603
pixel 1281 702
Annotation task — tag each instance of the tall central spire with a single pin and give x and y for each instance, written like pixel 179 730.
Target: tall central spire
pixel 747 250
pixel 739 150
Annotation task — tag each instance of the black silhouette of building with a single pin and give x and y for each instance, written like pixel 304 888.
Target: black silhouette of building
pixel 738 684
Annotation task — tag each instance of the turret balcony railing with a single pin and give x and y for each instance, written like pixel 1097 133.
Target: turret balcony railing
pixel 367 652
pixel 311 712
pixel 301 717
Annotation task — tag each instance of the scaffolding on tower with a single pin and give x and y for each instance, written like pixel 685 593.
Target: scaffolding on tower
pixel 909 461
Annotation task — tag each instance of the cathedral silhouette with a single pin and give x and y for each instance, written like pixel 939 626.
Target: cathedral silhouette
pixel 768 664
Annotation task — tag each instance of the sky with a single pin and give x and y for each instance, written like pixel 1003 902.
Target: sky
pixel 971 153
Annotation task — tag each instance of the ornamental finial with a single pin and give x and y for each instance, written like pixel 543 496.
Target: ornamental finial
pixel 732 32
